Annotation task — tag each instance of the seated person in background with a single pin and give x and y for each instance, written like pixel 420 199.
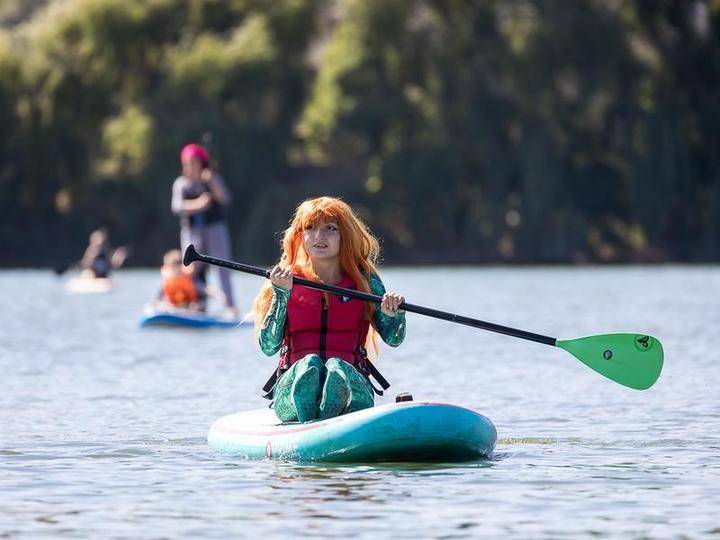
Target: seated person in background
pixel 99 259
pixel 182 286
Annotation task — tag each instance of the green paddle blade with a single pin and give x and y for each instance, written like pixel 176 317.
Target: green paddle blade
pixel 634 360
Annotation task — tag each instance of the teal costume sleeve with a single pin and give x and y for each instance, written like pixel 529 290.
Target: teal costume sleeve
pixel 391 329
pixel 272 330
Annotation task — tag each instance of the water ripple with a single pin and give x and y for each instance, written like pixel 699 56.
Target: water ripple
pixel 103 425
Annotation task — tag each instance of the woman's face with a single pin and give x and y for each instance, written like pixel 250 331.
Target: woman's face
pixel 192 169
pixel 322 240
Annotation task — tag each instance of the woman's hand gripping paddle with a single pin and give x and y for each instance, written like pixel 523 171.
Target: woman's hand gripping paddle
pixel 633 360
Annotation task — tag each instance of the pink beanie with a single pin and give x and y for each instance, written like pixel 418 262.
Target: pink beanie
pixel 193 150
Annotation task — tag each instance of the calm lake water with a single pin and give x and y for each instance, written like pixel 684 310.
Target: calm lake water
pixel 102 425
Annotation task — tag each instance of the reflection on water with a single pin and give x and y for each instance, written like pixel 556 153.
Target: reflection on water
pixel 102 425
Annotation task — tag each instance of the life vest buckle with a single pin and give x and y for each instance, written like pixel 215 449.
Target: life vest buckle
pixel 368 369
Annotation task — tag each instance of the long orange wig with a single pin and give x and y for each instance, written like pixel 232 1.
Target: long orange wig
pixel 359 250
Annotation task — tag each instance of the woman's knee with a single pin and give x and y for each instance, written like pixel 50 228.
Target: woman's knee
pixel 309 360
pixel 333 363
pixel 338 364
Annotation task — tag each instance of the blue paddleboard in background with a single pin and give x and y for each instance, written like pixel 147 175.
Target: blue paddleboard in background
pixel 190 319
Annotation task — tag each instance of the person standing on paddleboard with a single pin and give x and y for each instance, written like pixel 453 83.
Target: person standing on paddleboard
pixel 200 198
pixel 323 338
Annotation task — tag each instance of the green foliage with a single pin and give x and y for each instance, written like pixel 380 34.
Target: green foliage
pixel 126 143
pixel 206 64
pixel 464 131
pixel 556 105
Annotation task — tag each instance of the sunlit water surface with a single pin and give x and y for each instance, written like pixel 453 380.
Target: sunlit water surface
pixel 102 424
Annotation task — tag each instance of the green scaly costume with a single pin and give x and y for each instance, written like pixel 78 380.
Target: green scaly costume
pixel 310 389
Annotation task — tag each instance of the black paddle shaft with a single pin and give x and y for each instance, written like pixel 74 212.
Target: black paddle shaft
pixel 192 255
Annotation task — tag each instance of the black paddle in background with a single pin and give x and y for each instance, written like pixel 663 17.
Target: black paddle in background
pixel 633 360
pixel 61 268
pixel 117 258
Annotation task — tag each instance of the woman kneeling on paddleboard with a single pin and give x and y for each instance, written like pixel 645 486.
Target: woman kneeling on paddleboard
pixel 322 337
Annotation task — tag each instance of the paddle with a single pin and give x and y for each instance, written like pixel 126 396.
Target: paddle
pixel 633 360
pixel 118 257
pixel 61 268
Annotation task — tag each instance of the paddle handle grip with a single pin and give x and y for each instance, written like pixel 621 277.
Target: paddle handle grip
pixel 192 255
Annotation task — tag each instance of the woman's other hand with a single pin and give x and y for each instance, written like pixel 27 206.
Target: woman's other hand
pixel 281 277
pixel 390 303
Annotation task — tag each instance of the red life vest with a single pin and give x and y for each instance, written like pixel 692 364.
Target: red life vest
pixel 329 325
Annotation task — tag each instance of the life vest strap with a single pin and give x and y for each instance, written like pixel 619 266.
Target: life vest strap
pixel 269 386
pixel 378 377
pixel 366 368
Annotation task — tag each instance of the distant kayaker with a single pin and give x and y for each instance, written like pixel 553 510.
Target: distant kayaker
pixel 99 258
pixel 323 338
pixel 182 286
pixel 200 198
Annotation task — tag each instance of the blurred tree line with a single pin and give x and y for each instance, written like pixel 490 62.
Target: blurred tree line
pixel 463 131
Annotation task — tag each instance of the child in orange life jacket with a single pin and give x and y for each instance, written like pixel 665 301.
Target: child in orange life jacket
pixel 178 286
pixel 324 370
pixel 184 287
